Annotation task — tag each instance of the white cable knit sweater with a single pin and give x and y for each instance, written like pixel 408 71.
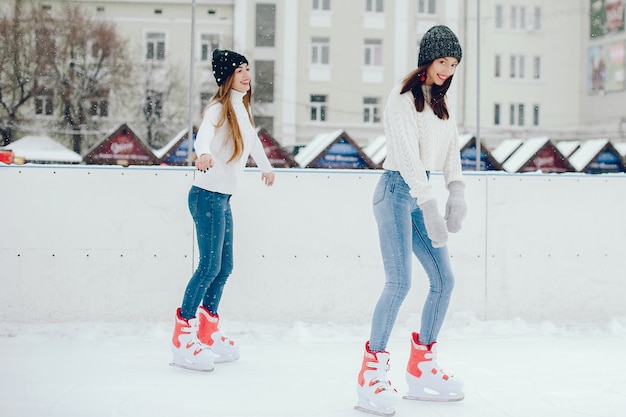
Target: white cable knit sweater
pixel 418 142
pixel 224 177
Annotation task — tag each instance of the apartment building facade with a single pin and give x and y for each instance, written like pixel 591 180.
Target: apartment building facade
pixel 322 65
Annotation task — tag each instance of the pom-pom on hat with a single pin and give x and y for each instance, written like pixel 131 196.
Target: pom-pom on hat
pixel 438 42
pixel 225 63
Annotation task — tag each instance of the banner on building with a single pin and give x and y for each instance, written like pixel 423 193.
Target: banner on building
pixel 605 68
pixel 606 16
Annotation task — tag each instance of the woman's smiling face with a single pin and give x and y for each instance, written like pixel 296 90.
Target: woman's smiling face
pixel 440 70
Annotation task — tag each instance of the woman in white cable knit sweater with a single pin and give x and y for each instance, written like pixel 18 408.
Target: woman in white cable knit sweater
pixel 421 137
pixel 224 141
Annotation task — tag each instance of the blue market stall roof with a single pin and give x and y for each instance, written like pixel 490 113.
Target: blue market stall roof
pixel 597 156
pixel 43 149
pixel 333 150
pixel 467 147
pixel 176 151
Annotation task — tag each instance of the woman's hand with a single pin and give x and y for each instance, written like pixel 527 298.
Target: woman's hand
pixel 204 162
pixel 268 178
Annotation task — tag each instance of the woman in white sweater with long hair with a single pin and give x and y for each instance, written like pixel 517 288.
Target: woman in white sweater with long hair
pixel 224 141
pixel 421 137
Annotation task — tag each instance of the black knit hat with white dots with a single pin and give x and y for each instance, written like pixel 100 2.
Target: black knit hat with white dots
pixel 438 42
pixel 225 62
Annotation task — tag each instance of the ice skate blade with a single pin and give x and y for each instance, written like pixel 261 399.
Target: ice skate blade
pixel 178 365
pixel 438 399
pixel 377 413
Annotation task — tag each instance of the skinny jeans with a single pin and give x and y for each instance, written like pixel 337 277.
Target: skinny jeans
pixel 213 218
pixel 402 233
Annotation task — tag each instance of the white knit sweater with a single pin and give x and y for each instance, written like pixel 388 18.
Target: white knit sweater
pixel 418 142
pixel 224 177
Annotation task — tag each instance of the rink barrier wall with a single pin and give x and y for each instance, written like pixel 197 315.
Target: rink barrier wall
pixel 100 243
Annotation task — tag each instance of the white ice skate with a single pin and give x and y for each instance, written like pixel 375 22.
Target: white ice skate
pixel 427 382
pixel 375 392
pixel 209 334
pixel 187 351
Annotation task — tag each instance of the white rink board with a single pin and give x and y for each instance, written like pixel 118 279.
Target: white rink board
pixel 86 243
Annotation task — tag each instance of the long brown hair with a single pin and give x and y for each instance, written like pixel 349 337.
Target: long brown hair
pixel 414 82
pixel 228 114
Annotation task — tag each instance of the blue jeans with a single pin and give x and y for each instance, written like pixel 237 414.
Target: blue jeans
pixel 402 232
pixel 214 230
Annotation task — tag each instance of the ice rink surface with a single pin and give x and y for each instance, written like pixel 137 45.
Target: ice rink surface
pixel 510 369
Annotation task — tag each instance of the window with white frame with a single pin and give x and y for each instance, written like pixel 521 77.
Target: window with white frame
pixel 374 6
pixel 44 103
pixel 155 46
pixel 499 20
pixel 208 43
pixel 265 25
pixel 537 67
pixel 517 114
pixel 522 17
pixel 99 107
pixel 536 115
pixel 513 17
pixel 496 114
pixel 318 107
pixel 518 66
pixel 321 5
pixel 536 23
pixel 373 52
pixel 426 6
pixel 371 110
pixel 498 66
pixel 320 51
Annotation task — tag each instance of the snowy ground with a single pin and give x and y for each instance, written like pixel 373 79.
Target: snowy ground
pixel 510 368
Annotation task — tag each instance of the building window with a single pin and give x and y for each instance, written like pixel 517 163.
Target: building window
pixel 522 17
pixel 536 115
pixel 426 6
pixel 99 107
pixel 536 23
pixel 513 65
pixel 265 24
pixel 520 114
pixel 153 107
pixel 373 52
pixel 513 17
pixel 264 81
pixel 318 108
pixel 374 6
pixel 155 46
pixel 537 68
pixel 498 68
pixel 518 66
pixel 512 114
pixel 320 51
pixel 496 114
pixel 499 17
pixel 44 103
pixel 371 110
pixel 321 5
pixel 208 43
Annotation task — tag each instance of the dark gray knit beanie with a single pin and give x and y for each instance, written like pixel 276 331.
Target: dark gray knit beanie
pixel 225 62
pixel 439 42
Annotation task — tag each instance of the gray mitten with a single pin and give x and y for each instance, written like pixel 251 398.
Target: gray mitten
pixel 456 209
pixel 435 225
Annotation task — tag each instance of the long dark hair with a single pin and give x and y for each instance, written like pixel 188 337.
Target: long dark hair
pixel 414 82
